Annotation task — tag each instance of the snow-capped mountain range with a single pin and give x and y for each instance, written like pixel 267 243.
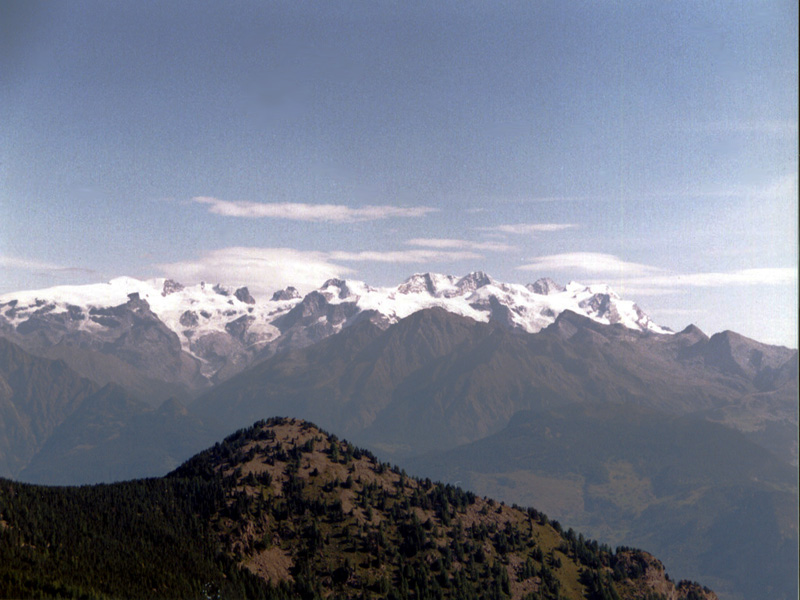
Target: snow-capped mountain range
pixel 225 329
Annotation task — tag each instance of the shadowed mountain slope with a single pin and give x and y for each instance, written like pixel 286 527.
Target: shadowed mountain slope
pixel 106 368
pixel 435 380
pixel 59 428
pixel 36 395
pixel 114 436
pixel 344 380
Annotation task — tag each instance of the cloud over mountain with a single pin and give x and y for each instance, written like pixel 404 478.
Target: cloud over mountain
pixel 281 267
pixel 588 262
pixel 762 276
pixel 278 267
pixel 648 279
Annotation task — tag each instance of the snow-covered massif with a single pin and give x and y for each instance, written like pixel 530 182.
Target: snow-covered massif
pixel 225 328
pixel 529 307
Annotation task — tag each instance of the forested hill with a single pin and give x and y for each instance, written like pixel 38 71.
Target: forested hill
pixel 284 510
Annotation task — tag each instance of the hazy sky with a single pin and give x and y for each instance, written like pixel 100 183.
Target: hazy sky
pixel 649 145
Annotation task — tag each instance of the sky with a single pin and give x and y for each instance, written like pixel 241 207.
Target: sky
pixel 652 146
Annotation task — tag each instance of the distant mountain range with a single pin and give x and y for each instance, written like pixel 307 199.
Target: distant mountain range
pixel 194 336
pixel 561 397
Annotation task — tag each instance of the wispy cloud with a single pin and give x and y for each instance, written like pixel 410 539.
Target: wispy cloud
pixel 460 244
pixel 331 213
pixel 548 199
pixel 677 312
pixel 405 256
pixel 529 228
pixel 675 283
pixel 782 188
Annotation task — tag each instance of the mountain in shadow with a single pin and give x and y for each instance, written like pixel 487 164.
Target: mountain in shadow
pixel 436 380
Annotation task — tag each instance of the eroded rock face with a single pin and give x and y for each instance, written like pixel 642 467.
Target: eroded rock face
pixel 500 313
pixel 422 282
pixel 474 281
pixel 189 319
pixel 142 340
pixel 338 287
pixel 545 286
pixel 238 327
pixel 219 289
pixel 243 295
pixel 170 287
pixel 316 312
pixel 289 293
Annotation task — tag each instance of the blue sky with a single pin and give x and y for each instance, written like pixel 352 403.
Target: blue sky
pixel 649 145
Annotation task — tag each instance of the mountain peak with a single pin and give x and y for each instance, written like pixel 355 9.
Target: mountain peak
pixel 474 280
pixel 734 353
pixel 288 293
pixel 338 287
pixel 429 283
pixel 545 286
pixel 283 509
pixel 694 334
pixel 691 330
